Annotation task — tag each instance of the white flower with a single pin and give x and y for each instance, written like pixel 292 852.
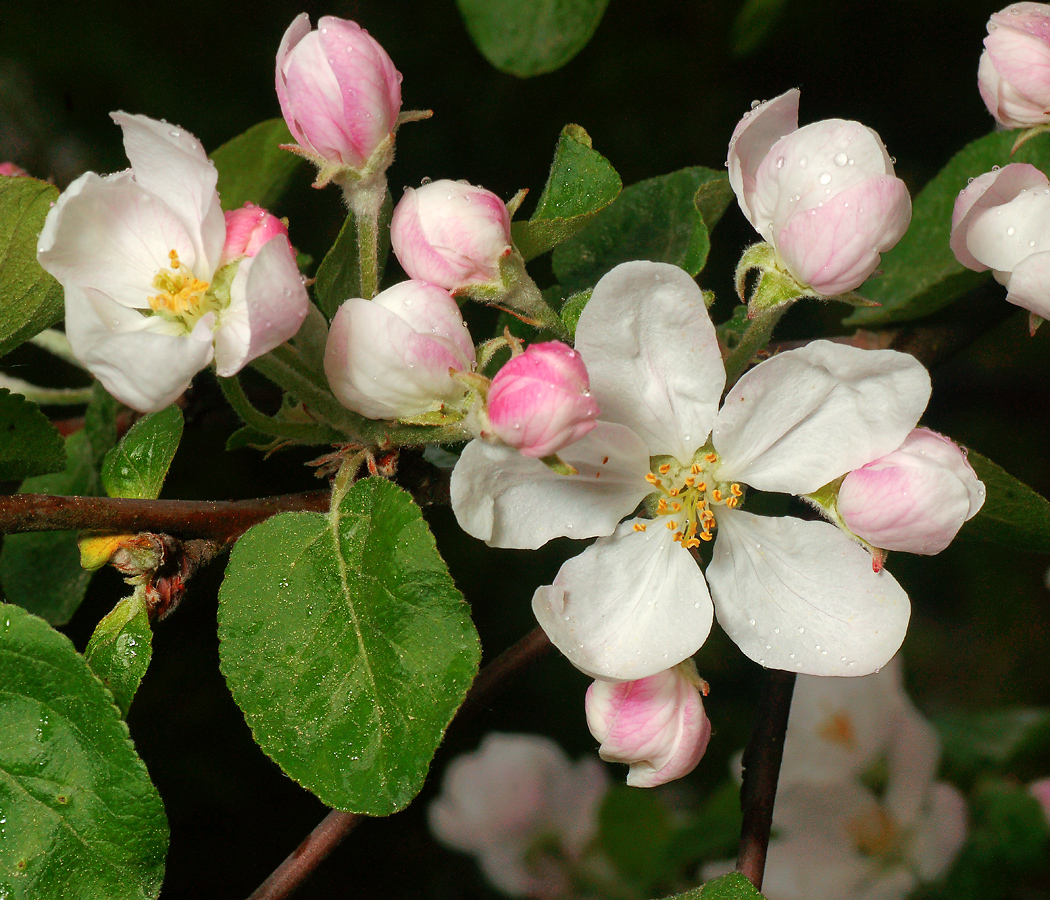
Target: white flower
pixel 516 797
pixel 793 594
pixel 138 253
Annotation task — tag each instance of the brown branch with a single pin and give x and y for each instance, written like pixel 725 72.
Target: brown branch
pixel 492 679
pixel 218 520
pixel 762 757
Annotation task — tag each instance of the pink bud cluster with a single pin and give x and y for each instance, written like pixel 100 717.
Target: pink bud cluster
pixel 1014 73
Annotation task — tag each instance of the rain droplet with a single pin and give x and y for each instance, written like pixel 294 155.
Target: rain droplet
pixel 825 178
pixel 780 162
pixel 801 630
pixel 1011 231
pixel 751 622
pixel 841 159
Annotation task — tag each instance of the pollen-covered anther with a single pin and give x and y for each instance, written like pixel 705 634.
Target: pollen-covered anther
pixel 736 490
pixel 696 468
pixel 665 468
pixel 676 507
pixel 653 479
pixel 716 496
pixel 639 526
pixel 711 457
pixel 671 524
pixel 180 291
pixel 732 502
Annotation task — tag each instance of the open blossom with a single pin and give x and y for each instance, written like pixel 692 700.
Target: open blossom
pixel 389 358
pixel 139 254
pixel 1001 222
pixel 522 808
pixel 339 91
pixel 540 401
pixel 1014 73
pixel 656 725
pixel 823 195
pixel 914 499
pixel 451 234
pixel 793 594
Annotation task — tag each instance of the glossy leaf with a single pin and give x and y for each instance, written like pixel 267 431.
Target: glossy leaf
pixel 581 183
pixel 733 886
pixel 32 299
pixel 573 309
pixel 339 275
pixel 527 39
pixel 79 817
pixel 1013 514
pixel 29 443
pixel 921 275
pixel 41 571
pixel 120 649
pixel 253 168
pixel 655 219
pixel 347 646
pixel 137 466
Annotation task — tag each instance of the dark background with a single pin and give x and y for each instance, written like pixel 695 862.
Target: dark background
pixel 657 90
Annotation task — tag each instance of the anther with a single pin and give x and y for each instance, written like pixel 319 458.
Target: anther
pixel 732 502
pixel 665 468
pixel 671 525
pixel 711 457
pixel 696 468
pixel 734 489
pixel 676 506
pixel 638 526
pixel 652 479
pixel 705 536
pixel 716 495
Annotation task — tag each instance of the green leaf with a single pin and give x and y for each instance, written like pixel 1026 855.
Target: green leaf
pixel 974 743
pixel 713 833
pixel 29 443
pixel 120 649
pixel 573 309
pixel 634 828
pixel 41 571
pixel 655 219
pixel 753 25
pixel 253 168
pixel 33 300
pixel 527 39
pixel 347 646
pixel 921 275
pixel 713 198
pixel 581 183
pixel 79 817
pixel 1013 514
pixel 339 275
pixel 733 886
pixel 137 466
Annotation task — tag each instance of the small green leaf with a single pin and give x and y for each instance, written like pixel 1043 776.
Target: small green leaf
pixel 753 25
pixel 347 646
pixel 120 649
pixel 33 300
pixel 581 183
pixel 1013 514
pixel 339 275
pixel 527 39
pixel 921 275
pixel 81 818
pixel 137 466
pixel 713 198
pixel 29 443
pixel 733 886
pixel 655 219
pixel 41 571
pixel 634 828
pixel 253 168
pixel 974 743
pixel 573 309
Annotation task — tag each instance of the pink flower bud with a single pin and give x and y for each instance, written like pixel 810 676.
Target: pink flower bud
pixel 1001 222
pixel 540 401
pixel 915 498
pixel 12 170
pixel 247 229
pixel 451 234
pixel 390 357
pixel 825 195
pixel 656 725
pixel 1014 73
pixel 339 91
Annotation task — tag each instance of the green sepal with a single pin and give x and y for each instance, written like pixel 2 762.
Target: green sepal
pixel 120 648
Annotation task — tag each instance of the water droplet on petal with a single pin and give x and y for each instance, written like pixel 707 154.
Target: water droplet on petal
pixel 825 178
pixel 841 159
pixel 780 162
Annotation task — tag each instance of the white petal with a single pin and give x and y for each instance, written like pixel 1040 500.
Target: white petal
pixel 170 163
pixel 268 303
pixel 805 417
pixel 941 832
pixel 510 500
pixel 1029 284
pixel 801 596
pixel 129 353
pixel 652 356
pixel 914 753
pixel 629 606
pixel 111 235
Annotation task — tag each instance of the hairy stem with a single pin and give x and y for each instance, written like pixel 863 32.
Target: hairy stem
pixel 754 339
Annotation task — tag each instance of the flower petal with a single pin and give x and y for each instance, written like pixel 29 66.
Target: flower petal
pixel 1028 285
pixel 510 500
pixel 798 420
pixel 629 606
pixel 940 833
pixel 912 760
pixel 652 355
pixel 801 596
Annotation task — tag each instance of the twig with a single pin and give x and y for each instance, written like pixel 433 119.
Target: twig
pixel 222 521
pixel 337 824
pixel 762 758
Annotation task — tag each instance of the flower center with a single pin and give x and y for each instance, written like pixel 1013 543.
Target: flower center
pixel 838 729
pixel 875 834
pixel 183 297
pixel 686 497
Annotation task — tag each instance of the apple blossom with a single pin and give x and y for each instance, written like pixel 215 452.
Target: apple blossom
pixel 1001 222
pixel 248 229
pixel 389 358
pixel 793 594
pixel 824 196
pixel 339 93
pixel 915 498
pixel 657 725
pixel 514 798
pixel 1014 73
pixel 12 170
pixel 540 400
pixel 148 304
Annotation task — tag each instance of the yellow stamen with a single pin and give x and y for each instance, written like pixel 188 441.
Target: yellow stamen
pixel 676 506
pixel 711 457
pixel 638 526
pixel 652 479
pixel 665 468
pixel 716 495
pixel 732 502
pixel 671 525
pixel 734 489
